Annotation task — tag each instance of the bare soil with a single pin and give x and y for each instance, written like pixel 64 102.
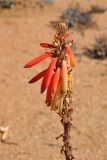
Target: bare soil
pixel 32 125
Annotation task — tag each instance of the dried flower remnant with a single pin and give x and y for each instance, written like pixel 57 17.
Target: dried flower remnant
pixel 57 80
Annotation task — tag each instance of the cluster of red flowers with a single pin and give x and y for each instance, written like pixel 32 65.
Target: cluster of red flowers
pixel 55 77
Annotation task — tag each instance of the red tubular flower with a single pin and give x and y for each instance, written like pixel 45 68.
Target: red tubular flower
pixel 38 59
pixel 56 77
pixel 52 87
pixel 46 45
pixel 71 55
pixel 48 95
pixel 38 76
pixel 48 75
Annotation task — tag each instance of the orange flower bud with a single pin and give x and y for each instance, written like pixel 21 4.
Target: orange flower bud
pixel 71 55
pixel 64 76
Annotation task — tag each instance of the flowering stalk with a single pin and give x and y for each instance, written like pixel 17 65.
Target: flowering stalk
pixel 57 80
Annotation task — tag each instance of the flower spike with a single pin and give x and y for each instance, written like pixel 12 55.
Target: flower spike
pixel 38 76
pixel 46 45
pixel 47 78
pixel 38 59
pixel 57 78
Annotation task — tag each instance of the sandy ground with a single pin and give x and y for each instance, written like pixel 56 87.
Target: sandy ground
pixel 32 125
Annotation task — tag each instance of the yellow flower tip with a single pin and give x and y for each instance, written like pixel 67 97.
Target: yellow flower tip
pixel 70 82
